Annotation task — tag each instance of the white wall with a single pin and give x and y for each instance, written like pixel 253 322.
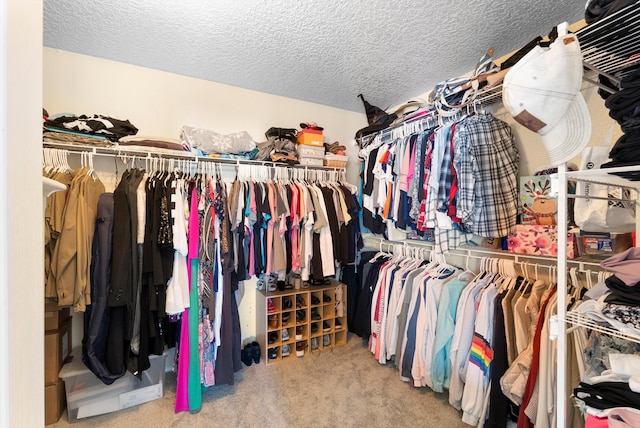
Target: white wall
pixel 159 103
pixel 21 238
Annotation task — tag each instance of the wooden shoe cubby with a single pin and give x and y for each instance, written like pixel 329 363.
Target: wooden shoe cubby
pixel 298 306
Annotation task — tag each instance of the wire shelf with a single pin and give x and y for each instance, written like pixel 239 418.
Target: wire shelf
pixel 611 46
pixel 579 320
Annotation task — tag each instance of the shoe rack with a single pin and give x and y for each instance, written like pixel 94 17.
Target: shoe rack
pixel 296 323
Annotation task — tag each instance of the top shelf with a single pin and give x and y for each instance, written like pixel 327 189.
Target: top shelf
pixel 605 176
pixel 611 46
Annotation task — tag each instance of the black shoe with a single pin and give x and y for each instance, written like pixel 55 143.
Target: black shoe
pixel 286 303
pixel 314 328
pixel 300 315
pixel 315 315
pixel 273 353
pixel 273 337
pixel 326 298
pixel 300 302
pixel 246 355
pixel 280 285
pixel 326 326
pixel 315 300
pixel 255 352
pixel 285 318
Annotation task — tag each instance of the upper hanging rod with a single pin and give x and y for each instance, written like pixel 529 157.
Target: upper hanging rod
pixel 122 152
pixel 430 119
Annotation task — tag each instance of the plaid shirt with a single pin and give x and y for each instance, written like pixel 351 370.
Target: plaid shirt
pixel 486 159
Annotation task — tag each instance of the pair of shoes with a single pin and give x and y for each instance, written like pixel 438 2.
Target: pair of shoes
pixel 299 332
pixel 338 324
pixel 300 347
pixel 246 355
pixel 267 281
pixel 315 315
pixel 286 302
pixel 319 281
pixel 301 315
pixel 314 300
pixel 285 318
pixel 285 335
pixel 314 328
pixel 326 340
pixel 300 302
pixel 270 306
pixel 273 321
pixel 286 350
pixel 325 326
pixel 314 343
pixel 326 298
pixel 272 337
pixel 273 353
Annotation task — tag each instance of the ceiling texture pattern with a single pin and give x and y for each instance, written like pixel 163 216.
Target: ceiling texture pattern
pixel 325 52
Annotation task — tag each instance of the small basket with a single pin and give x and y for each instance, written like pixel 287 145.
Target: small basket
pixel 335 161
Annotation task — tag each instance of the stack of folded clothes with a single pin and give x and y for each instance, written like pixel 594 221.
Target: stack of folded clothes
pixel 279 147
pixel 624 107
pixel 613 396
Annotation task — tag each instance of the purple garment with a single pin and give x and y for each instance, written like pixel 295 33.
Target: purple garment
pixel 625 265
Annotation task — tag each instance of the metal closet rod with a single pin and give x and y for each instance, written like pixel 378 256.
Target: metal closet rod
pixel 486 98
pixel 472 251
pixel 141 155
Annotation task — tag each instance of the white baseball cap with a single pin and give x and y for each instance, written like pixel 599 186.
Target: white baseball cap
pixel 542 93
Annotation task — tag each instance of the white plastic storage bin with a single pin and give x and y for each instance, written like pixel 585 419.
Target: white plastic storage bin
pixel 310 151
pixel 311 161
pixel 87 396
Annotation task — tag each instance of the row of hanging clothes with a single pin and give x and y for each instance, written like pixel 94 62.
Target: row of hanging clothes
pixel 442 182
pixel 157 262
pixel 483 337
pixel 294 226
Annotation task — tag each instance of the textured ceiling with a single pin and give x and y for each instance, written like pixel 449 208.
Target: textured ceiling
pixel 325 52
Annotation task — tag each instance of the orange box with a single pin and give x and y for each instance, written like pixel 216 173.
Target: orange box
pixel 310 137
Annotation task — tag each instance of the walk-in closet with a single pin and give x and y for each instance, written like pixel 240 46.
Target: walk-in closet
pixel 293 214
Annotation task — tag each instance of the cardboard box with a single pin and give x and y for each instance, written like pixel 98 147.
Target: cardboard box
pixel 57 346
pixel 311 137
pixel 54 402
pixel 55 316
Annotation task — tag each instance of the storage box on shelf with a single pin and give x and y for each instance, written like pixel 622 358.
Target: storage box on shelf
pixel 311 137
pixel 87 395
pixel 310 151
pixel 311 161
pixel 296 322
pixel 336 161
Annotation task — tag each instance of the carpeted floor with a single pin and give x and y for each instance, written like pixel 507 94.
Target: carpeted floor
pixel 344 387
